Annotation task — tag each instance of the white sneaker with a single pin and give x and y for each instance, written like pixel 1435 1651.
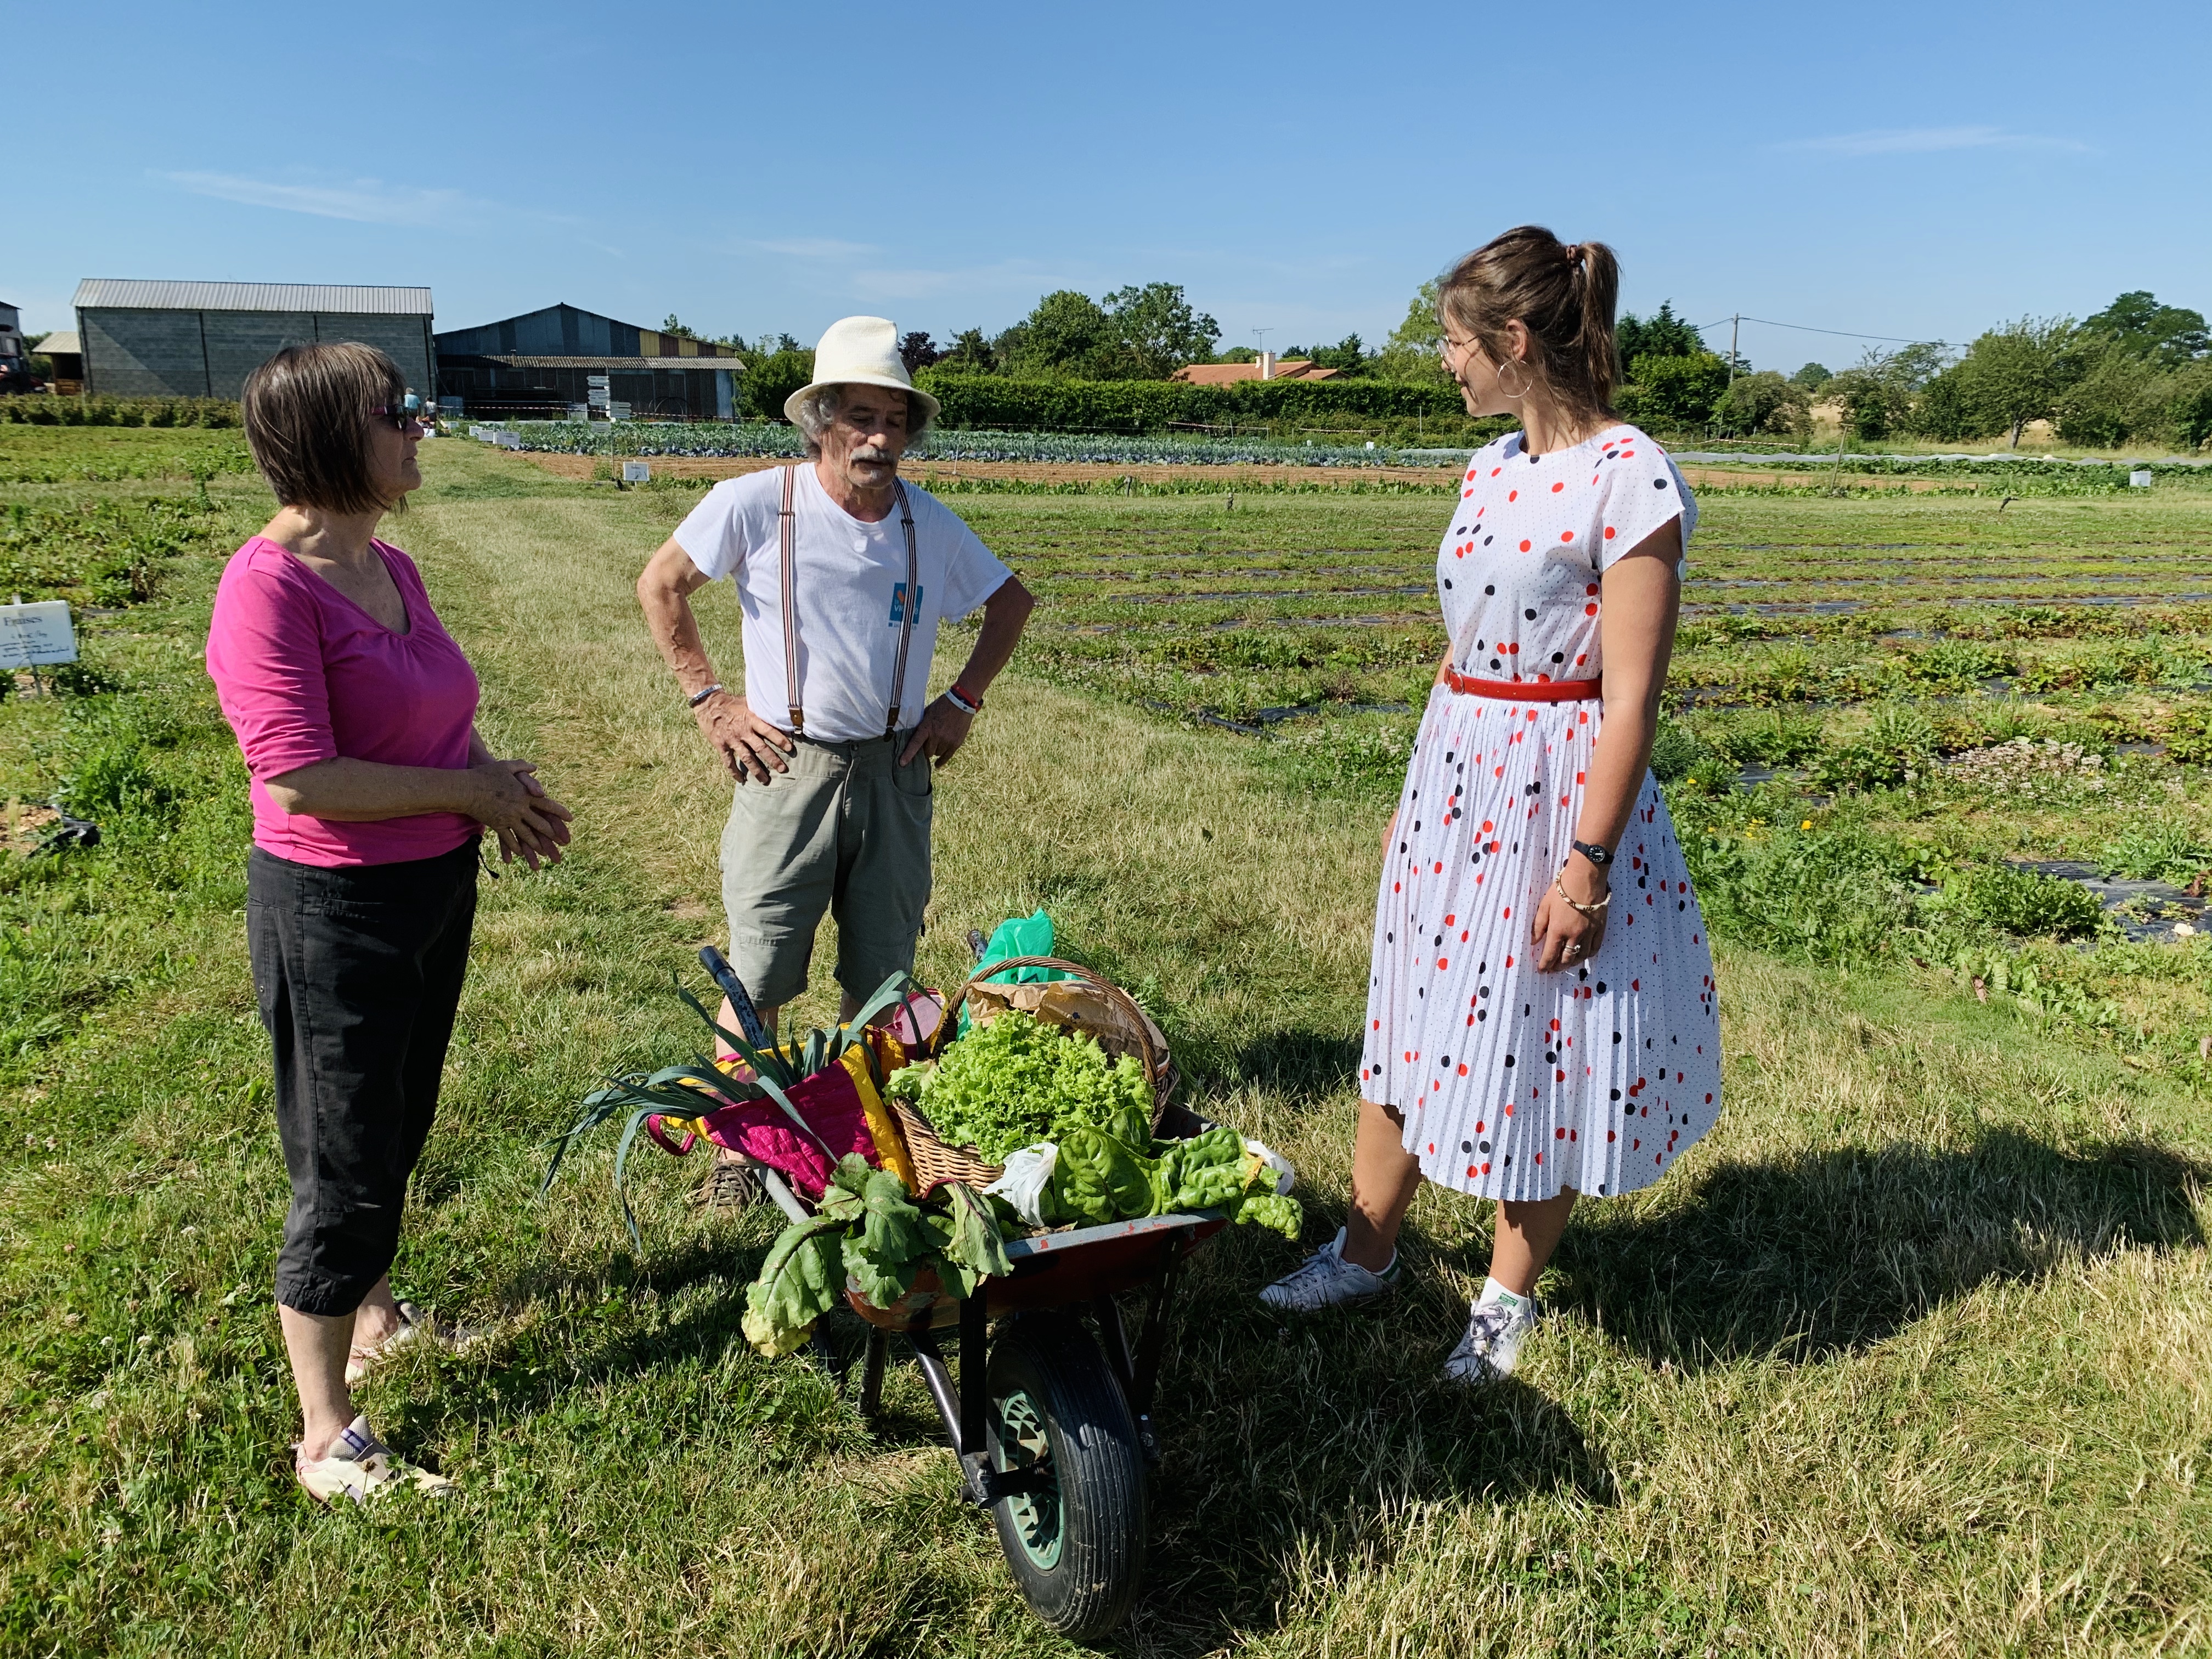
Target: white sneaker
pixel 1491 1346
pixel 1326 1279
pixel 360 1466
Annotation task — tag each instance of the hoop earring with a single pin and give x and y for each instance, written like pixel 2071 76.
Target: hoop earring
pixel 1512 362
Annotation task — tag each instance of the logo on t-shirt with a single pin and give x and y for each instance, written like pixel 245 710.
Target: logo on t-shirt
pixel 898 602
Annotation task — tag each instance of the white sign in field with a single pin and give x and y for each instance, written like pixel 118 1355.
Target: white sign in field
pixel 636 472
pixel 36 633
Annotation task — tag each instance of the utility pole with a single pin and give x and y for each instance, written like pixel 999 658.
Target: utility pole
pixel 1736 323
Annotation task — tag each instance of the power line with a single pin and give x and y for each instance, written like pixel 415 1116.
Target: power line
pixel 1842 333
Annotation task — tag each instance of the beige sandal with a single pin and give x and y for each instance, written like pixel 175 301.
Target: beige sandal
pixel 415 1326
pixel 360 1466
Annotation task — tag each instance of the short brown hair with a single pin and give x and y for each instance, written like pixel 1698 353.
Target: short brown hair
pixel 1563 294
pixel 307 421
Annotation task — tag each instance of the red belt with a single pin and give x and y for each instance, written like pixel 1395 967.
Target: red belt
pixel 1524 691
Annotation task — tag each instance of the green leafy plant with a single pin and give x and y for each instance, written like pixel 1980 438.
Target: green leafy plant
pixel 1831 893
pixel 2161 852
pixel 2188 740
pixel 1897 747
pixel 868 1231
pixel 83 679
pixel 1775 737
pixel 1674 751
pixel 2023 902
pixel 1019 1080
pixel 1098 1177
pixel 48 410
pixel 1958 665
pixel 113 777
pixel 2042 997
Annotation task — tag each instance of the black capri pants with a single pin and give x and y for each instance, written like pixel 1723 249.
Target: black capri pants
pixel 358 971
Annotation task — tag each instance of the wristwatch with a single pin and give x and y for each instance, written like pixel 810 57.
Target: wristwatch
pixel 1598 855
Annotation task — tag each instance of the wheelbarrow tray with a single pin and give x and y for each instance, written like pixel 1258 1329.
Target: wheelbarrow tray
pixel 1052 1270
pixel 1055 1270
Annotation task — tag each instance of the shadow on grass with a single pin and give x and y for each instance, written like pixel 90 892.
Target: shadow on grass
pixel 1832 1253
pixel 1288 1445
pixel 1293 1447
pixel 1301 1063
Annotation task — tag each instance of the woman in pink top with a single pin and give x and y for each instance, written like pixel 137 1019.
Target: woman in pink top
pixel 356 714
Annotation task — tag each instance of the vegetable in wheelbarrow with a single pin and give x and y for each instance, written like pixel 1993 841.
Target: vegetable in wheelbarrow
pixel 1098 1177
pixel 867 1227
pixel 1019 1080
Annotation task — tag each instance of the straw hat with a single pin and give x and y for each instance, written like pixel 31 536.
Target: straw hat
pixel 860 351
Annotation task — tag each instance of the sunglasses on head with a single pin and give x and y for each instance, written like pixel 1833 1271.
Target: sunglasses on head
pixel 402 412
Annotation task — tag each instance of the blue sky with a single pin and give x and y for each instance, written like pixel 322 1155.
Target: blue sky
pixel 1921 171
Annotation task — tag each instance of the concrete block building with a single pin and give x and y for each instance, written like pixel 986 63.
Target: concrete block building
pixel 166 339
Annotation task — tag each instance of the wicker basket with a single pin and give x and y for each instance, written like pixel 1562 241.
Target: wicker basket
pixel 936 1162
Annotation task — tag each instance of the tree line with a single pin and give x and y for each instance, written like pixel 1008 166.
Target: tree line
pixel 2137 370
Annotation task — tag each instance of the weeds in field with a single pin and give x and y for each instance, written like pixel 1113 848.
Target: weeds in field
pixel 2025 903
pixel 96 552
pixel 1830 894
pixel 1766 736
pixel 2156 852
pixel 2028 769
pixel 1895 748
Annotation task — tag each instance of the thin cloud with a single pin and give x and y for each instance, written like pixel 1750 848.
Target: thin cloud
pixel 816 247
pixel 365 201
pixel 1926 141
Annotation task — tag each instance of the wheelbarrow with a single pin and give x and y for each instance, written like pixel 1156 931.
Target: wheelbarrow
pixel 1049 1409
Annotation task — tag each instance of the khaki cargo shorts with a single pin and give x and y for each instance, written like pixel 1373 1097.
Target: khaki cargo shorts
pixel 845 831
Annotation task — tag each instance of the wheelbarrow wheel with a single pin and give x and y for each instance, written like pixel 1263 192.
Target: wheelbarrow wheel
pixel 1077 1545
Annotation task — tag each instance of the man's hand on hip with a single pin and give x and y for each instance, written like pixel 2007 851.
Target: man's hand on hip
pixel 942 731
pixel 747 744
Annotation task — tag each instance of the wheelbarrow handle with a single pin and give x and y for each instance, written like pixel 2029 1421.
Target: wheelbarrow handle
pixel 741 1002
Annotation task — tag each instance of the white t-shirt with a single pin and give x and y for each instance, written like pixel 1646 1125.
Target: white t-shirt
pixel 852 596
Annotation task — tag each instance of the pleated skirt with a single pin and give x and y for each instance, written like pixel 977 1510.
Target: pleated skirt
pixel 1515 1084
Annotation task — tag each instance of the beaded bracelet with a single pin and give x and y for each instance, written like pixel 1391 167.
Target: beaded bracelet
pixel 1587 912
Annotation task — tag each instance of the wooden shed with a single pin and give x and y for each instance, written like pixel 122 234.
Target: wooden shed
pixel 61 349
pixel 168 339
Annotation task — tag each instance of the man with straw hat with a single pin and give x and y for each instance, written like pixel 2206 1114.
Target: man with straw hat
pixel 843 573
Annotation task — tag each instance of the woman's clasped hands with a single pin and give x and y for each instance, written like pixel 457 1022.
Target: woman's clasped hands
pixel 510 802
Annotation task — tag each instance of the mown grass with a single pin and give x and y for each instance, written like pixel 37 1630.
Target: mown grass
pixel 1911 1356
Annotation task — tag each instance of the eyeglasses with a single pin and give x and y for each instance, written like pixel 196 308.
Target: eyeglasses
pixel 1446 345
pixel 402 412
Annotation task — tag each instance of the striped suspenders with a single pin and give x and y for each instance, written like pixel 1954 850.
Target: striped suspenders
pixel 786 524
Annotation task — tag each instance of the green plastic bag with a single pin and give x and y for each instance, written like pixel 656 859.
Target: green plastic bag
pixel 1017 935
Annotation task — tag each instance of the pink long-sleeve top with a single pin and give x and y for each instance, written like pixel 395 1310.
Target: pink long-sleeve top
pixel 305 675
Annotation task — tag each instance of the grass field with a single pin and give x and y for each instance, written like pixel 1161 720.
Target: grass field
pixel 1913 1355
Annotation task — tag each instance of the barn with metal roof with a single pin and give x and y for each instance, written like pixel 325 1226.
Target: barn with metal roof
pixel 170 339
pixel 561 359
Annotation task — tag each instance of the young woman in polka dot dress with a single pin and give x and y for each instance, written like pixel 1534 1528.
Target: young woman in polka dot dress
pixel 1541 1019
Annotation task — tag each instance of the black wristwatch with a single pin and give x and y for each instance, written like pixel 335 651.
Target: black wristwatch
pixel 1598 855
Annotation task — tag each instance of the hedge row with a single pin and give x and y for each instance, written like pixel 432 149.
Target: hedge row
pixel 1009 406
pixel 45 409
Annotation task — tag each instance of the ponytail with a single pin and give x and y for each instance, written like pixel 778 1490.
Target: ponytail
pixel 1563 294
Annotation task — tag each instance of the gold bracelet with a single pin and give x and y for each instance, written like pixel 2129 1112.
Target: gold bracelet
pixel 1587 912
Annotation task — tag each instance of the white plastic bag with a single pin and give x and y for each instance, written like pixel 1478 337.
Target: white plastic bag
pixel 1022 1183
pixel 1286 1177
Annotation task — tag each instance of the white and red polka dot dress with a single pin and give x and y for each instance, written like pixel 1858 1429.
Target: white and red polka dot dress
pixel 1515 1084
